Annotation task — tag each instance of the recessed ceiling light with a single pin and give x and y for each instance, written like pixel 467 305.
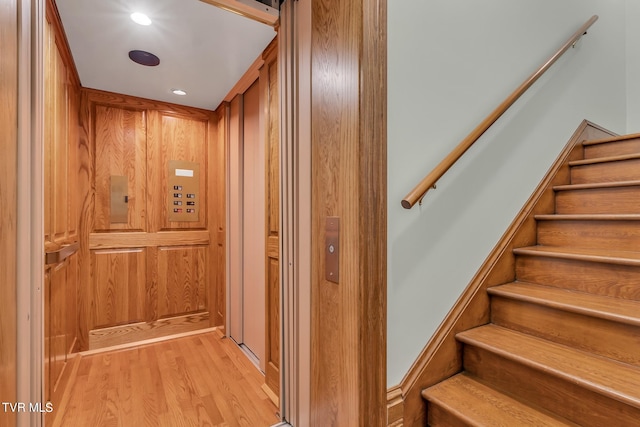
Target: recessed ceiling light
pixel 178 92
pixel 144 58
pixel 140 18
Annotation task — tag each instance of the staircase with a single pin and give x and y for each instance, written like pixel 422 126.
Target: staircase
pixel 563 345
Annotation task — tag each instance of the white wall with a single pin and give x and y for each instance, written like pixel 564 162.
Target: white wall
pixel 633 66
pixel 450 63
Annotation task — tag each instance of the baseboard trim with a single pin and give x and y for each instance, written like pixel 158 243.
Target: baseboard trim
pixel 132 344
pixel 134 332
pixel 395 407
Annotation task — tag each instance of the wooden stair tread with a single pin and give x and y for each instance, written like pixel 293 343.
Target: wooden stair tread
pixel 588 217
pixel 614 138
pixel 596 185
pixel 607 377
pixel 607 159
pixel 582 254
pixel 480 405
pixel 615 309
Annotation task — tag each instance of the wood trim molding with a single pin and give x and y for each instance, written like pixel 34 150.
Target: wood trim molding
pixel 53 16
pixel 95 96
pixel 136 332
pixel 236 6
pixel 247 79
pixel 441 357
pixel 395 406
pixel 142 239
pixel 10 174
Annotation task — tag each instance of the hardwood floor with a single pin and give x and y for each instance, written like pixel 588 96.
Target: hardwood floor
pixel 201 380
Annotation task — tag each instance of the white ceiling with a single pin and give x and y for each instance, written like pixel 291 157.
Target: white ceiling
pixel 203 49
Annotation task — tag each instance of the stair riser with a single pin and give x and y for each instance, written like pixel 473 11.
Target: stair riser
pixel 618 148
pixel 600 336
pixel 627 170
pixel 611 280
pixel 438 416
pixel 616 235
pixel 616 200
pixel 557 395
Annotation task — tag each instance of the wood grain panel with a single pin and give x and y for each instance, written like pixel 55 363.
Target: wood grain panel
pixel 181 139
pixel 60 171
pixel 119 278
pixel 135 103
pixel 140 239
pixel 49 132
pixel 181 280
pixel 57 319
pixel 271 108
pixel 615 234
pixel 218 227
pixel 612 146
pixel 61 134
pixel 120 149
pixel 614 340
pixel 598 199
pixel 86 201
pixel 46 294
pixel 587 390
pixel 71 304
pixel 134 137
pixel 73 163
pixel 133 332
pixel 348 87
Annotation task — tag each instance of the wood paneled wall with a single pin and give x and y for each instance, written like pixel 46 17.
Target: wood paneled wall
pixel 61 103
pixel 348 143
pixel 217 193
pixel 8 207
pixel 146 274
pixel 271 107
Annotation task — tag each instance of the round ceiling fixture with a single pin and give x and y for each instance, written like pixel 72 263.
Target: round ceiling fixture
pixel 144 58
pixel 178 92
pixel 140 18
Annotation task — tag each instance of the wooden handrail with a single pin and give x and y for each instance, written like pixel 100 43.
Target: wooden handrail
pixel 429 181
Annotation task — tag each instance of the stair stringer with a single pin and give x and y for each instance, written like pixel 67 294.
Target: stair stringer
pixel 441 358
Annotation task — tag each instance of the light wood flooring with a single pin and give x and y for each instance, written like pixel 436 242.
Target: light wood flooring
pixel 201 380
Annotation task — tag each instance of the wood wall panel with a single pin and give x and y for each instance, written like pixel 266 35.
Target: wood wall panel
pixel 60 149
pixel 173 137
pixel 49 132
pixel 72 163
pixel 181 280
pixel 235 217
pixel 119 278
pixel 61 142
pixel 120 149
pixel 348 119
pixel 71 304
pixel 270 100
pixel 58 344
pixel 217 211
pixel 135 137
pixel 47 334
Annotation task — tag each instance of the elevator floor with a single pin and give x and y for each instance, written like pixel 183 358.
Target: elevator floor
pixel 200 380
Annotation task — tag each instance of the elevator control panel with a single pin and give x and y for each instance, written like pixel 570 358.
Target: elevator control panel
pixel 184 191
pixel 332 249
